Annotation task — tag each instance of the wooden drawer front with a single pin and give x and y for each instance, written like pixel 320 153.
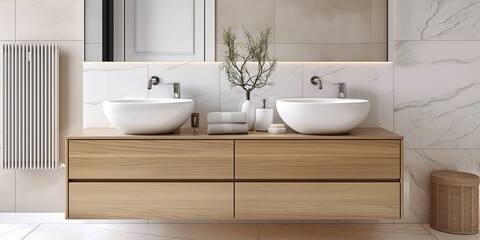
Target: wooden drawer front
pixel 317 159
pixel 346 201
pixel 150 200
pixel 150 159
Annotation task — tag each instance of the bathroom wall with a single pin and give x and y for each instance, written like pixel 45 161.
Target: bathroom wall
pixel 45 21
pixel 208 86
pixel 437 92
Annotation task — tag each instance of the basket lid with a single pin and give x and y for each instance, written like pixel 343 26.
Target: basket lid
pixel 455 178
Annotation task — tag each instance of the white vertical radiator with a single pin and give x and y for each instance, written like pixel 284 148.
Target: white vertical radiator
pixel 29 106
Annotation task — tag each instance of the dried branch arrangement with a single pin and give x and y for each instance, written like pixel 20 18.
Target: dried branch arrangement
pixel 256 50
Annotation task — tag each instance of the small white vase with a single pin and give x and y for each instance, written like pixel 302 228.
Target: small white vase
pixel 249 108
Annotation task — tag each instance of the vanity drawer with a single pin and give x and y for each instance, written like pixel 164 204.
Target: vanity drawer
pixel 285 201
pixel 150 200
pixel 317 159
pixel 150 159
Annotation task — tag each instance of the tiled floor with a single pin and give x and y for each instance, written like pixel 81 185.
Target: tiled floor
pixel 225 232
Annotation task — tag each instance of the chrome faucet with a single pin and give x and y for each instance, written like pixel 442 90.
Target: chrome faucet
pixel 315 80
pixel 154 80
pixel 176 90
pixel 342 90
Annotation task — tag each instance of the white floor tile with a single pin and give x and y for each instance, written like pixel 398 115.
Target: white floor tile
pixel 15 231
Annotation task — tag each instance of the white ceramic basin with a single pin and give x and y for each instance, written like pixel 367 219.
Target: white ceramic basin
pixel 148 115
pixel 323 115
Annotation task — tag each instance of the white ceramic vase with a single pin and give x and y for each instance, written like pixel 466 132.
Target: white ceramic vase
pixel 249 108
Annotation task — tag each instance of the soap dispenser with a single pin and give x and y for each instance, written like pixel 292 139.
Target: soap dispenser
pixel 264 117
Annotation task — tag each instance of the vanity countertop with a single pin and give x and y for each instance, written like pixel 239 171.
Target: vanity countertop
pixel 201 133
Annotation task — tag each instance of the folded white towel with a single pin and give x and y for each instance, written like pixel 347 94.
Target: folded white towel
pixel 227 117
pixel 227 128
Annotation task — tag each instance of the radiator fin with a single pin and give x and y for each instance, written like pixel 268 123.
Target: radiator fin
pixel 30 121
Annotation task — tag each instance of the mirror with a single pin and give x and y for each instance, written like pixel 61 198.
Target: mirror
pixel 191 30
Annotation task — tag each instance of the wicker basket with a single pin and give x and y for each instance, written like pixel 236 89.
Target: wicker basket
pixel 454 206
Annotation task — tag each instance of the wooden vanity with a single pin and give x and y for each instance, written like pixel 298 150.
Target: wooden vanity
pixel 259 176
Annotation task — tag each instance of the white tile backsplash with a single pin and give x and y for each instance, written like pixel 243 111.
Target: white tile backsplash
pixel 371 81
pixel 103 81
pixel 198 81
pixel 207 85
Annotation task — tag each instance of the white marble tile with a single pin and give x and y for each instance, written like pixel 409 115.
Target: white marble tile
pixel 418 164
pixel 371 81
pixel 437 100
pixel 7 190
pixel 7 20
pixel 15 231
pixel 447 236
pixel 49 20
pixel 198 81
pixel 103 81
pixel 40 191
pixel 437 20
pixel 287 84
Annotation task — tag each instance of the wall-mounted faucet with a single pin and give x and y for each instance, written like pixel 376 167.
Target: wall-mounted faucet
pixel 154 80
pixel 342 89
pixel 176 90
pixel 315 80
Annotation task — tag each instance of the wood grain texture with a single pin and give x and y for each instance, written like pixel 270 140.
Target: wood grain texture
pixel 66 180
pixel 402 179
pixel 151 200
pixel 317 159
pixel 288 201
pixel 201 133
pixel 150 159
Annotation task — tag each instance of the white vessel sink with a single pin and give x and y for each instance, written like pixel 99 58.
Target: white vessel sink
pixel 323 115
pixel 148 115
